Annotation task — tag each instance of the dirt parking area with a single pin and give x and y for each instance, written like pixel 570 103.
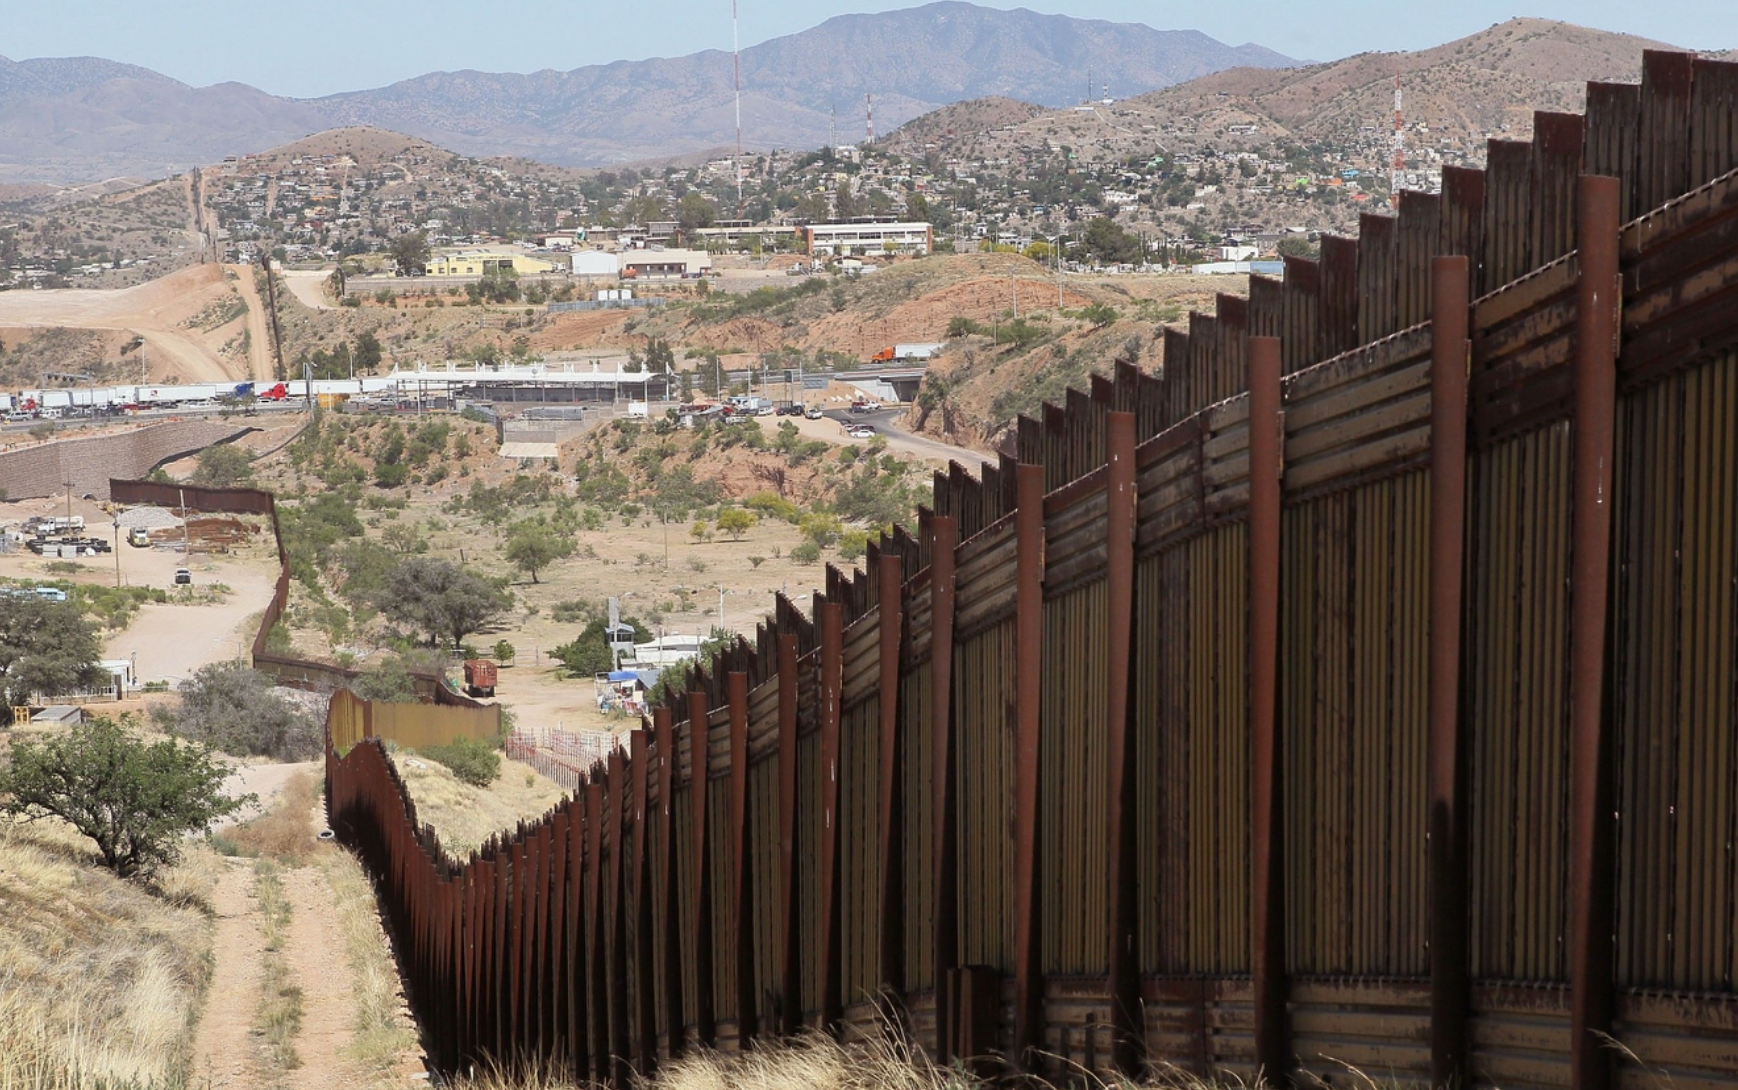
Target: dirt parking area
pixel 169 640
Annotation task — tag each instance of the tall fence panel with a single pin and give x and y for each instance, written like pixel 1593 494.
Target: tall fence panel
pixel 1374 704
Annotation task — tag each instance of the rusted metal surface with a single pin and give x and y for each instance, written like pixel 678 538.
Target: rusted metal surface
pixel 1450 351
pixel 1028 693
pixel 1599 295
pixel 1267 916
pixel 832 624
pixel 890 813
pixel 1121 892
pixel 1269 725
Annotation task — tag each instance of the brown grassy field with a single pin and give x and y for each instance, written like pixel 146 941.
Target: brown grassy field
pixel 100 979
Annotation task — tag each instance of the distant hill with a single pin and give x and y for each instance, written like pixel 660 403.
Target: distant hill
pixel 1457 96
pixel 1486 83
pixel 948 123
pixel 81 118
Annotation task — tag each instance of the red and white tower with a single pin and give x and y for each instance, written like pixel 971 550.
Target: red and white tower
pixel 736 64
pixel 1397 170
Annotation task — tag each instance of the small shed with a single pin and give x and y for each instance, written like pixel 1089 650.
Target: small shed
pixel 59 715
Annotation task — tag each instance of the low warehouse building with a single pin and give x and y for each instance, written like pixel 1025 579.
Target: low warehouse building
pixel 485 262
pixel 868 238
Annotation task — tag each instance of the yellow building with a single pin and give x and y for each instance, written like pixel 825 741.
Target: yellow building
pixel 480 262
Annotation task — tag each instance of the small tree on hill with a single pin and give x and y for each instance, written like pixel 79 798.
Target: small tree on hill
pixel 440 598
pixel 531 547
pixel 410 253
pixel 737 521
pixel 136 800
pixel 223 466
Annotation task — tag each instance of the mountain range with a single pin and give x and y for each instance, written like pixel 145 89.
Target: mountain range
pixel 78 119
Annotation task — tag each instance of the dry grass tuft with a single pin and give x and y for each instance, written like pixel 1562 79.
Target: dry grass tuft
pixel 279 1018
pixel 100 979
pixel 465 816
pixel 885 1062
pixel 286 831
pixel 383 1028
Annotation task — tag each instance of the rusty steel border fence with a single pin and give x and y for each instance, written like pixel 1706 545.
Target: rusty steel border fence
pixel 288 670
pixel 1359 691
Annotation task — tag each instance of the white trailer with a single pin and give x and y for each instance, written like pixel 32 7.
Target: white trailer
pixel 921 351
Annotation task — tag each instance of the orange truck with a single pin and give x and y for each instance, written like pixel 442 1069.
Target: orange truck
pixel 479 677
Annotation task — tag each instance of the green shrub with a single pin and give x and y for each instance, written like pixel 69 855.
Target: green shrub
pixel 473 762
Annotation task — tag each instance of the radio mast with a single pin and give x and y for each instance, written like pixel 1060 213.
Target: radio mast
pixel 736 62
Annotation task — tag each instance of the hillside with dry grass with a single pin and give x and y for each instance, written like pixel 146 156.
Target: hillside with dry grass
pixel 101 979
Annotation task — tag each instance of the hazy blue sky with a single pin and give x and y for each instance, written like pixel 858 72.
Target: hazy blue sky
pixel 316 47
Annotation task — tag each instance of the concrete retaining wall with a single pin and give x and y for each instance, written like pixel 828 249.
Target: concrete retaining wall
pixel 45 469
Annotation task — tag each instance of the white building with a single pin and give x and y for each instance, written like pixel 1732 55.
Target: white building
pixel 595 263
pixel 665 264
pixel 868 238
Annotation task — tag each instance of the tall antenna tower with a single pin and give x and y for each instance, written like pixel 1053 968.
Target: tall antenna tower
pixel 869 103
pixel 1397 171
pixel 736 60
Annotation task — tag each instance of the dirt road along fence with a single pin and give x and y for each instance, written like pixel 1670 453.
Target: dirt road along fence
pixel 290 670
pixel 1359 691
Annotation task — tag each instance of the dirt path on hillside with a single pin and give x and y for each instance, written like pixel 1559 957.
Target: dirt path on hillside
pixel 158 311
pixel 327 984
pixel 224 1053
pixel 309 287
pixel 259 345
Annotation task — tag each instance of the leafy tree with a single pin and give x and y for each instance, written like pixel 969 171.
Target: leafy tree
pixel 238 710
pixel 136 800
pixel 821 528
pixel 695 211
pixel 440 598
pixel 589 652
pixel 533 545
pixel 223 466
pixel 737 521
pixel 1099 314
pixel 45 647
pixel 366 355
pixel 410 253
pixel 1108 242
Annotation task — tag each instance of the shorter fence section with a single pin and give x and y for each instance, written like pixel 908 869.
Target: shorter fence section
pixel 564 756
pixel 351 720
